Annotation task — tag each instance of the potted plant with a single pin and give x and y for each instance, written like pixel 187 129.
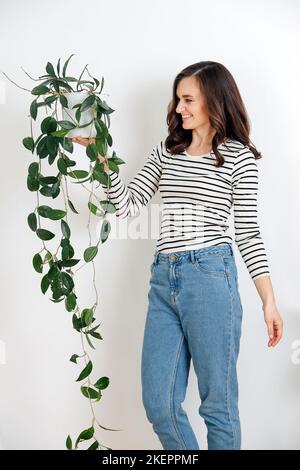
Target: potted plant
pixel 83 112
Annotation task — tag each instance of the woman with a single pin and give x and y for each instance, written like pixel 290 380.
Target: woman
pixel 205 165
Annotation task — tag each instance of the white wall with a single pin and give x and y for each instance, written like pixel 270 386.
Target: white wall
pixel 139 47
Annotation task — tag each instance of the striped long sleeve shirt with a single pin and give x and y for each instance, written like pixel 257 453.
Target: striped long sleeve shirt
pixel 197 199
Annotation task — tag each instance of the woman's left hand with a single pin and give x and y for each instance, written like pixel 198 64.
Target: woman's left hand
pixel 274 323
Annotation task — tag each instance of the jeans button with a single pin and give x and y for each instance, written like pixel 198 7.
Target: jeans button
pixel 172 257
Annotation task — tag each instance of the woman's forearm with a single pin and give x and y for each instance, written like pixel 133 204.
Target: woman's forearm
pixel 264 288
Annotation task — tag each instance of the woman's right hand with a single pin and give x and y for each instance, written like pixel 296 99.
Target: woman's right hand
pixel 85 141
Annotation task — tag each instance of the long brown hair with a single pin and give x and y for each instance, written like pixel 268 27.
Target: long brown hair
pixel 227 112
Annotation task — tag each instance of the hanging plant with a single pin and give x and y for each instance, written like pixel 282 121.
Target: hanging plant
pixel 83 113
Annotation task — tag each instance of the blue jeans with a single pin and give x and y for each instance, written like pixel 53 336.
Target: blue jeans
pixel 194 311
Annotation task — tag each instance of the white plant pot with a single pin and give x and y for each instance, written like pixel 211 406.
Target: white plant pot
pixel 76 97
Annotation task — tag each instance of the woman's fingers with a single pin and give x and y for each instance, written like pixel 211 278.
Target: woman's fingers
pixel 86 141
pixel 276 333
pixel 83 140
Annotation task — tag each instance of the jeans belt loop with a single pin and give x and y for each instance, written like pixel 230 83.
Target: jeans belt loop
pixel 193 256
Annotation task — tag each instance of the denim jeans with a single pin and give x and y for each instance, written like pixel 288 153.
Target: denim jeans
pixel 194 312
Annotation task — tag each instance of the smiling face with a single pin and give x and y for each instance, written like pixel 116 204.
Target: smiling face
pixel 191 102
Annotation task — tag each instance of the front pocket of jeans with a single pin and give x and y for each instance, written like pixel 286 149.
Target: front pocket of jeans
pixel 211 264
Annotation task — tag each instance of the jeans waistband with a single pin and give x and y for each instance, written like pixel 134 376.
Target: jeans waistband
pixel 173 256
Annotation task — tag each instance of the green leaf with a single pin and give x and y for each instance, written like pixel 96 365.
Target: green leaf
pixel 89 392
pixel 48 258
pixel 101 177
pixel 99 127
pixel 67 251
pixel 95 334
pixel 45 283
pixel 105 229
pixel 44 234
pixel 28 143
pixel 71 79
pixel 61 165
pixel 74 358
pixel 63 84
pixel 42 149
pixel 48 179
pixel 52 272
pixel 78 174
pixel 108 206
pixel 102 383
pixel 94 328
pixel 48 125
pixel 105 109
pixel 32 221
pixel 70 302
pixel 58 67
pixel 65 65
pixel 33 109
pixel 69 263
pixel 85 372
pixel 94 446
pixel 46 191
pixel 40 90
pixel 77 115
pixel 49 100
pixel 117 160
pixel 68 145
pixel 85 435
pixel 52 145
pixel 32 183
pixel 90 342
pixel 72 207
pixel 33 170
pixel 90 253
pixel 67 280
pixel 101 146
pixel 92 208
pixel 64 242
pixel 60 133
pixel 112 165
pixel 92 152
pixel 96 82
pixel 44 211
pixel 37 263
pixel 50 69
pixel 87 316
pixel 63 101
pixel 76 322
pixel 57 214
pixel 65 229
pixel 68 161
pixel 69 443
pixel 55 190
pixel 66 124
pixel 87 103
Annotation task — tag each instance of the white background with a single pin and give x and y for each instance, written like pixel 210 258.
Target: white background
pixel 139 47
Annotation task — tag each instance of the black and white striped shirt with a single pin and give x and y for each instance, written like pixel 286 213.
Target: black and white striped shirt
pixel 197 197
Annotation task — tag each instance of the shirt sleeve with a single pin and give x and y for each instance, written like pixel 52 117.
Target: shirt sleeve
pixel 247 232
pixel 129 198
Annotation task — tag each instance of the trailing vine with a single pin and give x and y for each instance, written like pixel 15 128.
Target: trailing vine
pixel 57 267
